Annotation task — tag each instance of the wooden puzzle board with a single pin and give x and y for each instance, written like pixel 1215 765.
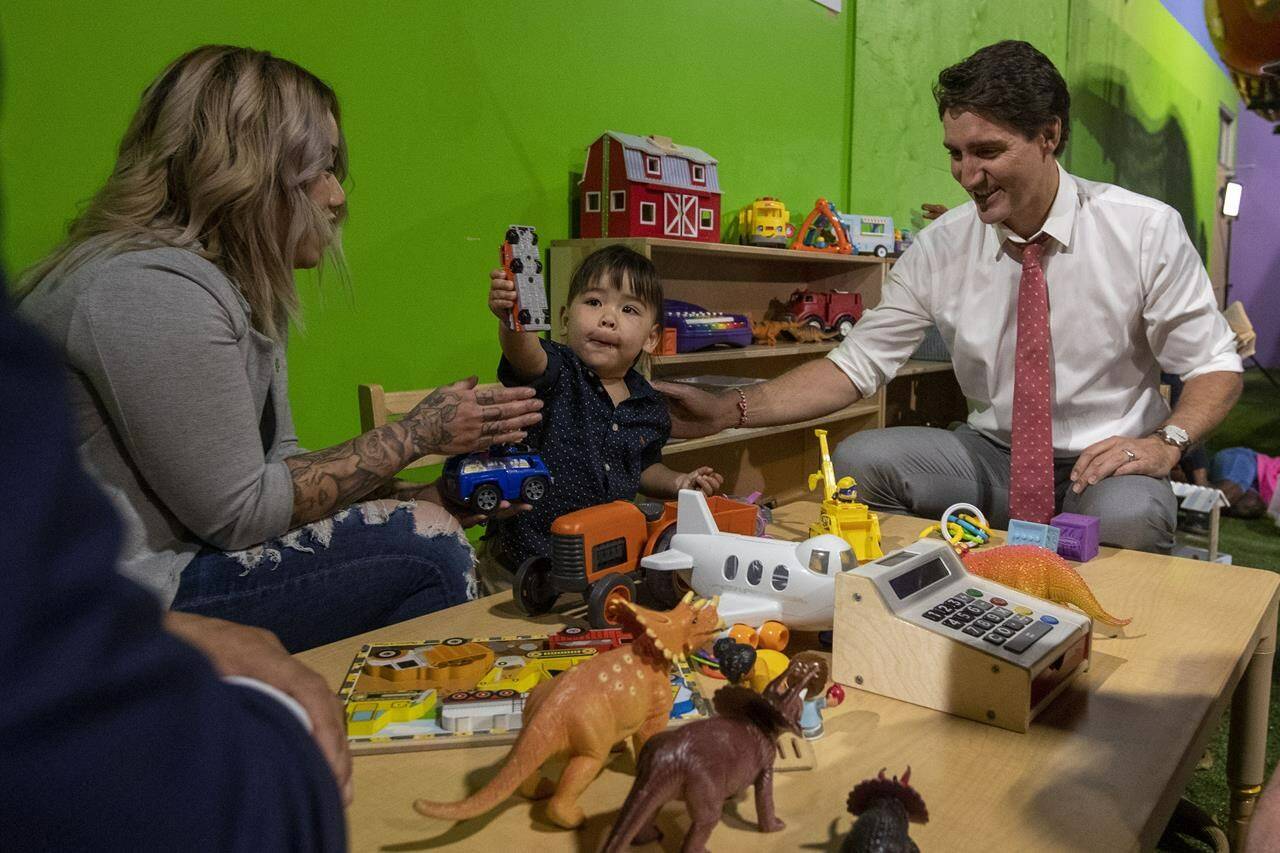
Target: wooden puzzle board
pixel 438 694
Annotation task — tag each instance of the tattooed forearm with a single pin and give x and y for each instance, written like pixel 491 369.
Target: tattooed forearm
pixel 330 479
pixel 452 419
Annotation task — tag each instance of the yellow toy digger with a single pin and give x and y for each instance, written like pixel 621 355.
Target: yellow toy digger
pixel 842 514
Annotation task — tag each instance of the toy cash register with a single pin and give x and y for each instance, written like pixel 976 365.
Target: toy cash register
pixel 915 626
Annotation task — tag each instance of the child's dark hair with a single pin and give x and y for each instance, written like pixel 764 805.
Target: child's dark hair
pixel 617 264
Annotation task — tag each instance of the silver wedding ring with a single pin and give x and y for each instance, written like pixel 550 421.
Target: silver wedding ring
pixel 1127 452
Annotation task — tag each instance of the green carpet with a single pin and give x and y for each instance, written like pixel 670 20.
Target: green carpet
pixel 1252 423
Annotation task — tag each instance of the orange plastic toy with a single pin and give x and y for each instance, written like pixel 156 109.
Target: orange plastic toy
pixel 623 693
pixel 1039 572
pixel 822 231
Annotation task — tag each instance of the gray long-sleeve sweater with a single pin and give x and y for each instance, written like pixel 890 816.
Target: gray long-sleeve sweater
pixel 181 406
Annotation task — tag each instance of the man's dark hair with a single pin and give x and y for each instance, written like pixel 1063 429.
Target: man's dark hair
pixel 618 266
pixel 1011 83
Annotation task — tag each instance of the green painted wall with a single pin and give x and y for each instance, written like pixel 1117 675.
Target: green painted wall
pixel 899 161
pixel 461 119
pixel 1145 107
pixel 1145 98
pixel 464 117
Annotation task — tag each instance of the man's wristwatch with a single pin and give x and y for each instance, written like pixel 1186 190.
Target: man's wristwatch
pixel 1175 435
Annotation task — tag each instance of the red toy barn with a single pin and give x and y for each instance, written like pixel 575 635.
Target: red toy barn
pixel 647 186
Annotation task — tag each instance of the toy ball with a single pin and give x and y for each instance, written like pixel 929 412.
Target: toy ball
pixel 835 695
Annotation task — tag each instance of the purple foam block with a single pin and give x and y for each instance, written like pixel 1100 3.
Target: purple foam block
pixel 1079 539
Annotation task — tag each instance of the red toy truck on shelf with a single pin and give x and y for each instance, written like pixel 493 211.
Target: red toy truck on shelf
pixel 833 311
pixel 648 186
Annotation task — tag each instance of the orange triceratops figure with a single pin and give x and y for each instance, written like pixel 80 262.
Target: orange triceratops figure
pixel 625 692
pixel 1040 572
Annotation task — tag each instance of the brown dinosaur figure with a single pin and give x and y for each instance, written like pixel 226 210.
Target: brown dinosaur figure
pixel 582 714
pixel 1040 572
pixel 709 761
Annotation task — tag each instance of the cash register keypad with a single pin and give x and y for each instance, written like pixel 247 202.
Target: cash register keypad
pixel 992 620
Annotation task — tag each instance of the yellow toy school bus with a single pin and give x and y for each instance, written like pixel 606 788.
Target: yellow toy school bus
pixel 765 222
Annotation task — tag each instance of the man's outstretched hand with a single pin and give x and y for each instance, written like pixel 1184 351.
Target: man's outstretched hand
pixel 694 412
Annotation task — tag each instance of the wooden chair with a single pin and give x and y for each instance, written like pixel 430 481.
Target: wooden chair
pixel 379 407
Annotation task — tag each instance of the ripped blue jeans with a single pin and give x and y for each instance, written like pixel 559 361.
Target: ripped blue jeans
pixel 374 564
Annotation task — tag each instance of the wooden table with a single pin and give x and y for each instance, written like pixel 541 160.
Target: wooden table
pixel 1101 769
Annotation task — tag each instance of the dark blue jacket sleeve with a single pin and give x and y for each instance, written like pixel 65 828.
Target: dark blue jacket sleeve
pixel 114 734
pixel 545 384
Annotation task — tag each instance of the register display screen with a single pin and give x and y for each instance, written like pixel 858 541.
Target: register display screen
pixel 922 576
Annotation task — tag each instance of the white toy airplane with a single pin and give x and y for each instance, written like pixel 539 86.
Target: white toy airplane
pixel 757 579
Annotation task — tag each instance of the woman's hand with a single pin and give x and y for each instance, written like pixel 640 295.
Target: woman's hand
pixel 464 417
pixel 457 418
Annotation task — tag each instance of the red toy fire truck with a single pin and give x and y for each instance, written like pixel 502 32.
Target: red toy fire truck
pixel 834 310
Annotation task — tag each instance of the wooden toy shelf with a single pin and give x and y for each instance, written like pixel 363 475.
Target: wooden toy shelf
pixel 744 279
pixel 753 351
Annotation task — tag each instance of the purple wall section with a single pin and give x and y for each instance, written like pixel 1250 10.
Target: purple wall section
pixel 1255 238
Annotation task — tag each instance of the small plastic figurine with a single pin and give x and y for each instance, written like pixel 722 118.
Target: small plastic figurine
pixel 581 714
pixel 736 659
pixel 709 761
pixel 846 490
pixel 817 695
pixel 841 514
pixel 1041 573
pixel 884 808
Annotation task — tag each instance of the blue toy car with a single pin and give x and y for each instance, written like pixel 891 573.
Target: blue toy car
pixel 510 472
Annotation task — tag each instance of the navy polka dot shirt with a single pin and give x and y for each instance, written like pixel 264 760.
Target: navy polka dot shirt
pixel 594 450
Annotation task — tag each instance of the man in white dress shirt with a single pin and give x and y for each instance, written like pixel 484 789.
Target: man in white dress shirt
pixel 1127 297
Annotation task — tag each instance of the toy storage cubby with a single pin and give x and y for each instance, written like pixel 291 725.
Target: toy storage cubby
pixel 726 277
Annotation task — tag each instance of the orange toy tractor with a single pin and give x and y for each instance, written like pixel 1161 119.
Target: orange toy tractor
pixel 596 552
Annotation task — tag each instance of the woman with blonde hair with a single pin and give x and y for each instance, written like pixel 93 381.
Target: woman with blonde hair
pixel 171 300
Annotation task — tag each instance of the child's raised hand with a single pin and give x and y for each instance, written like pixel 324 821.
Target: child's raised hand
pixel 704 479
pixel 502 294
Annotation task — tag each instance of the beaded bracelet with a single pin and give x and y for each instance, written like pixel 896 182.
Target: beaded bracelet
pixel 742 407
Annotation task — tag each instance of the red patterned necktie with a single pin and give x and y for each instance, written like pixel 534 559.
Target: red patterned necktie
pixel 1031 460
